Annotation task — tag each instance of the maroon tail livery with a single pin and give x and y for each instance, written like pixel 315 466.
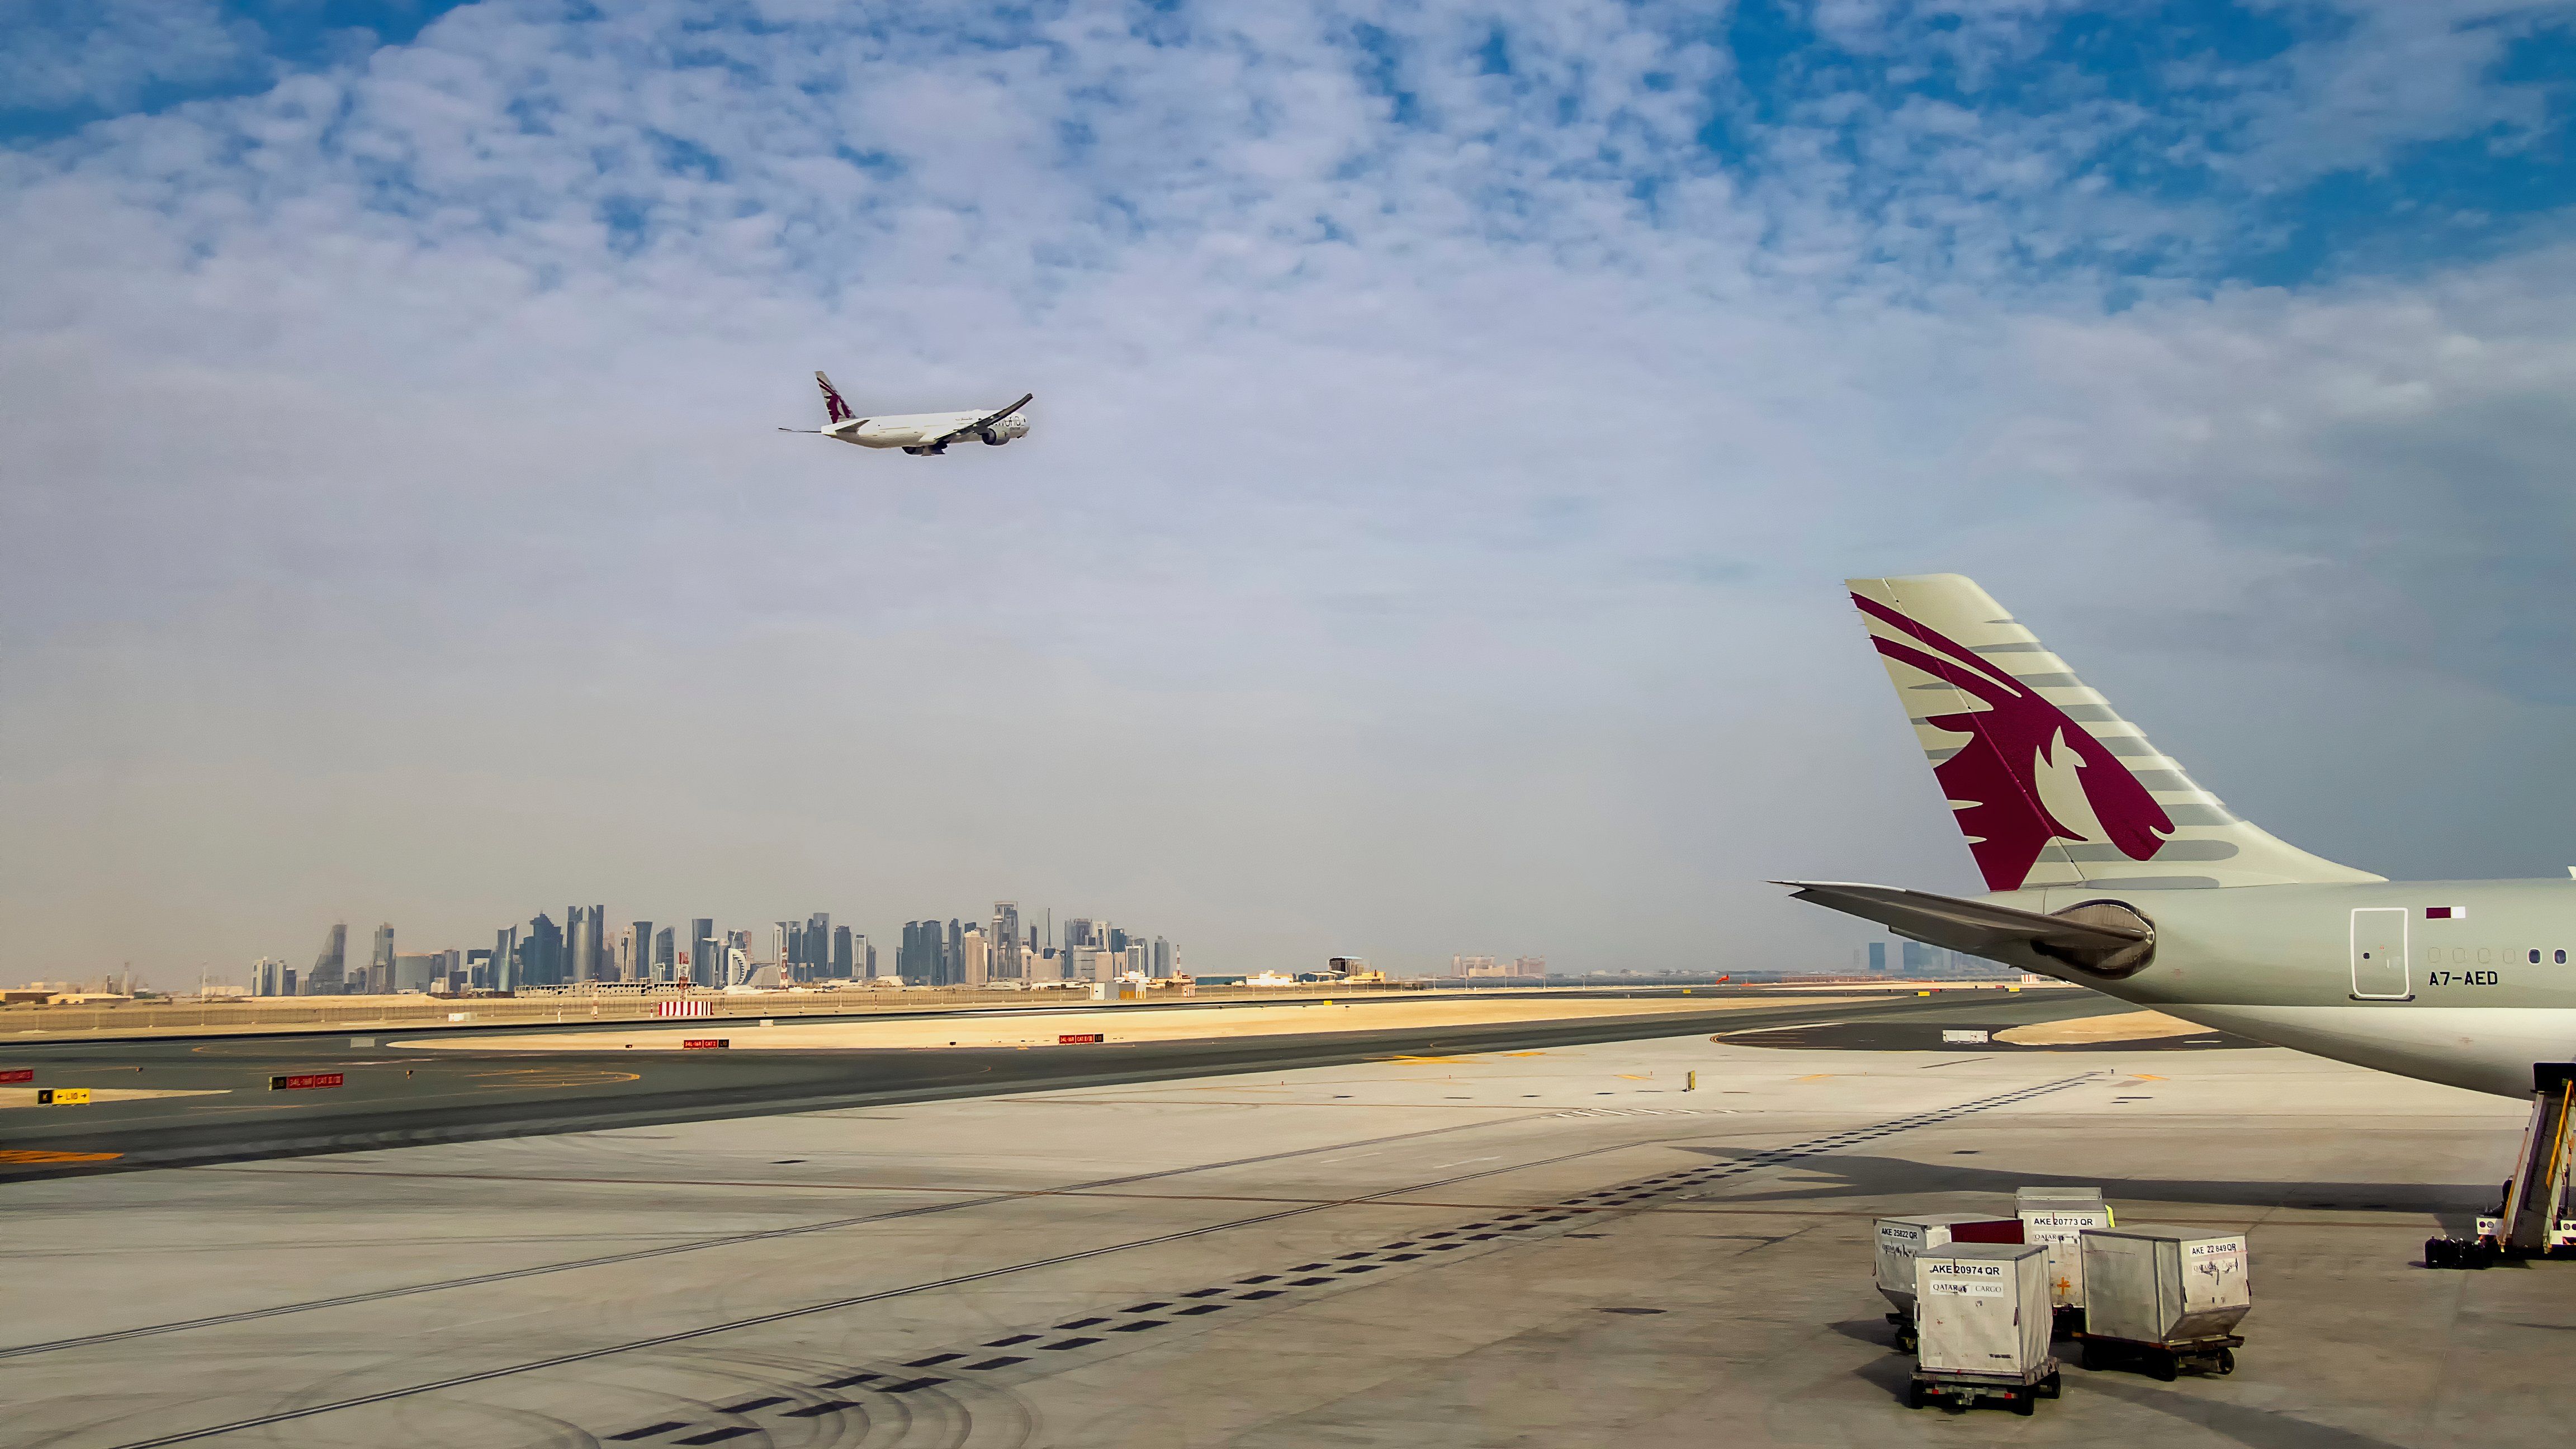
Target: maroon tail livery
pixel 1994 779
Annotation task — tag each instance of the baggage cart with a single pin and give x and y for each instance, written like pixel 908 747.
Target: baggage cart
pixel 1901 1239
pixel 2165 1299
pixel 1982 1313
pixel 2057 1218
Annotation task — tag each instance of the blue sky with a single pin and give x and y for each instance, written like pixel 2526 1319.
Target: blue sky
pixel 1452 422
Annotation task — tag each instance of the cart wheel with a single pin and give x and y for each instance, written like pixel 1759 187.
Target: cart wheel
pixel 2227 1360
pixel 2025 1403
pixel 2050 1387
pixel 2092 1357
pixel 1914 1393
pixel 2165 1365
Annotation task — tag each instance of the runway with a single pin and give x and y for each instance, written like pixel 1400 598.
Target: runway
pixel 398 1090
pixel 1558 1244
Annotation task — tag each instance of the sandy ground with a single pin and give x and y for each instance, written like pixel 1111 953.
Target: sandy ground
pixel 26 1096
pixel 1114 1023
pixel 2119 1026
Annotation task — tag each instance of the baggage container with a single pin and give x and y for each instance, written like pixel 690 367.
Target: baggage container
pixel 2167 1299
pixel 1982 1311
pixel 1901 1239
pixel 2057 1218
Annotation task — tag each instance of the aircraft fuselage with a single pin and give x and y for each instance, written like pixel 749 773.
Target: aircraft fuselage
pixel 2462 982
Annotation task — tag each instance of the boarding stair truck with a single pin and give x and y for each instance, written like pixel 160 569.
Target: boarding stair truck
pixel 2057 1219
pixel 1901 1240
pixel 1984 1321
pixel 2537 1217
pixel 2164 1299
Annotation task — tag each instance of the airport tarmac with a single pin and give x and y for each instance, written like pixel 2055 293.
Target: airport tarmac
pixel 403 1090
pixel 1540 1246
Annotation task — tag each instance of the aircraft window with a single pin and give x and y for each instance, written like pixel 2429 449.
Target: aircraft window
pixel 2562 958
pixel 2459 954
pixel 2535 958
pixel 2484 956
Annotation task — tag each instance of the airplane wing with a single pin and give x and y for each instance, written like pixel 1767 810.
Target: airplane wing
pixel 1979 928
pixel 986 421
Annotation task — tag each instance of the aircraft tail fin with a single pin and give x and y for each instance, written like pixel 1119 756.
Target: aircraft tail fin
pixel 834 409
pixel 2051 785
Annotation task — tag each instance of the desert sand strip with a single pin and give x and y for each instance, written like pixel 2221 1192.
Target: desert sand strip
pixel 2119 1026
pixel 26 1096
pixel 1113 1023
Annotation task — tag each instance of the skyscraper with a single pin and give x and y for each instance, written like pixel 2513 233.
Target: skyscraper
pixel 953 963
pixel 380 966
pixel 841 952
pixel 541 956
pixel 643 952
pixel 704 968
pixel 666 954
pixel 329 976
pixel 1004 942
pixel 585 944
pixel 1162 958
pixel 975 957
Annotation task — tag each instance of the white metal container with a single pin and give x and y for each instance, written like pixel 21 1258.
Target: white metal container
pixel 2165 1285
pixel 1900 1240
pixel 1982 1309
pixel 2057 1219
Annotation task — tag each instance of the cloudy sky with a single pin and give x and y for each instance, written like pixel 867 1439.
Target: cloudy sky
pixel 1453 424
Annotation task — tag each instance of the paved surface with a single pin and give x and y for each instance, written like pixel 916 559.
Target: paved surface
pixel 397 1092
pixel 1542 1246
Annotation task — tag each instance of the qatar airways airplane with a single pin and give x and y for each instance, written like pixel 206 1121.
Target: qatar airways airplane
pixel 2108 866
pixel 920 434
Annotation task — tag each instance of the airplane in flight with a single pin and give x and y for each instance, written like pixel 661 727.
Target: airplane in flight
pixel 920 434
pixel 2108 866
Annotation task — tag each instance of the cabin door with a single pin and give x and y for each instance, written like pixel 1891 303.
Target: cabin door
pixel 2379 954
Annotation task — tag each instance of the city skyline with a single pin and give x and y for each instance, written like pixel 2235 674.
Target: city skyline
pixel 541 952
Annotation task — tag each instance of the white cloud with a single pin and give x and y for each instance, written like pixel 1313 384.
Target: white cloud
pixel 1428 542
pixel 105 54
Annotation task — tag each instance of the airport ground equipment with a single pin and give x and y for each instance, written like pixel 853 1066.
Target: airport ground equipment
pixel 2164 1299
pixel 2537 1215
pixel 1901 1240
pixel 2057 1218
pixel 1984 1321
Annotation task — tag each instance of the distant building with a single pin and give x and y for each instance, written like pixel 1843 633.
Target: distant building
pixel 1162 959
pixel 380 965
pixel 666 953
pixel 585 946
pixel 272 977
pixel 1009 962
pixel 1878 958
pixel 410 972
pixel 975 957
pixel 841 958
pixel 703 965
pixel 639 965
pixel 1472 966
pixel 330 973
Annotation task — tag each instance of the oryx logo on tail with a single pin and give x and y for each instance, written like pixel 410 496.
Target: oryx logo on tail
pixel 1994 782
pixel 834 409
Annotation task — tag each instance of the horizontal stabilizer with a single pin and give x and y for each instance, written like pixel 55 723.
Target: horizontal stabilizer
pixel 1998 933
